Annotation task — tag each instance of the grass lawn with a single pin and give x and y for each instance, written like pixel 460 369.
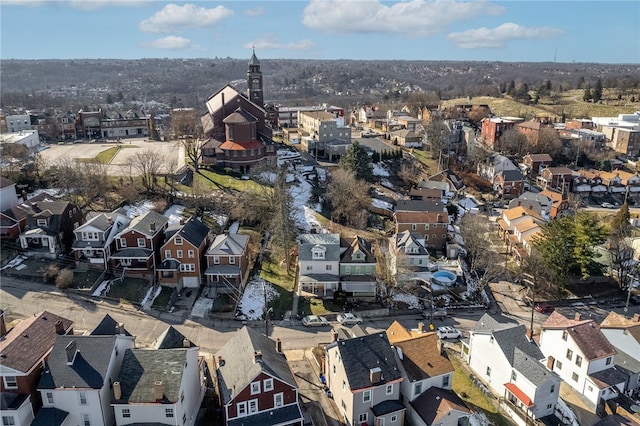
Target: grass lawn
pixel 317 306
pixel 86 279
pixel 104 157
pixel 131 289
pixel 222 303
pixel 222 181
pixel 471 394
pixel 162 300
pixel 282 282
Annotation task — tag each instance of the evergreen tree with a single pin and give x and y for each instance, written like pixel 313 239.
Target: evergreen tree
pixel 597 91
pixel 357 160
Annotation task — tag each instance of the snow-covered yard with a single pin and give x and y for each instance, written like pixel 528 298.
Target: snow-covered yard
pixel 252 303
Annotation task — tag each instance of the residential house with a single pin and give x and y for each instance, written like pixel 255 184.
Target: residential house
pixel 489 168
pixel 426 218
pixel 558 178
pixel 95 239
pixel 511 217
pixel 437 406
pixel 613 182
pixel 536 201
pixel 129 124
pixel 422 361
pixel 533 129
pixel 418 193
pixel 444 188
pixel 49 226
pixel 406 138
pixel 533 163
pixel 582 356
pixel 513 367
pixel 456 184
pixel 509 184
pixel 559 203
pixel 138 246
pixel 624 334
pixel 24 351
pixel 324 128
pixel 66 125
pixel 524 233
pixel 358 268
pixel 183 254
pixel 364 378
pixel 76 386
pixel 408 252
pixel 589 182
pixel 228 263
pixel 319 263
pixel 162 385
pixel 8 194
pixel 13 221
pixel 493 128
pixel 255 384
pixel 631 181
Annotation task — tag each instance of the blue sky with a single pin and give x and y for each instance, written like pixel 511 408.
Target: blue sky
pixel 567 31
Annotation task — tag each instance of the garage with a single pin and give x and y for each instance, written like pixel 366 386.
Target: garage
pixel 190 282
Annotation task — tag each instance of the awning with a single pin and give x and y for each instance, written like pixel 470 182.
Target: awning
pixel 522 397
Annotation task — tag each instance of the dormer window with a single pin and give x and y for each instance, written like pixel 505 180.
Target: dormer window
pixel 318 252
pixel 42 222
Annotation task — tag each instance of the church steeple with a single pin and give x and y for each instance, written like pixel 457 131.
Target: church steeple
pixel 254 80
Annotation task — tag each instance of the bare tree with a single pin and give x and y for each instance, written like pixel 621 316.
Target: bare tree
pixel 148 164
pixel 348 198
pixel 193 151
pixel 410 172
pixel 436 135
pixel 282 224
pixel 484 263
pixel 513 142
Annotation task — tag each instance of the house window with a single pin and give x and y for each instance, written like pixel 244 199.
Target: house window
pixel 278 400
pixel 10 382
pixel 445 381
pixel 559 365
pixel 553 388
pixel 574 376
pixel 389 389
pixel 178 241
pixel 267 385
pixel 514 376
pixel 334 369
pixel 569 354
pixel 328 267
pixel 232 260
pixel 426 226
pixel 83 397
pixel 363 417
pixel 549 406
pixel 126 413
pixel 8 421
pixel 168 412
pixel 216 260
pixel 608 362
pixel 309 268
pixel 394 418
pixel 414 226
pixel 366 396
pixel 184 419
pixel 255 388
pixel 565 335
pixel 181 397
pixel 253 406
pixel 417 389
pixel 590 388
pixel 50 398
pixel 344 384
pixel 191 254
pixel 578 360
pixel 488 371
pixel 142 242
pixel 179 254
pixel 187 267
pixel 344 406
pixel 242 409
pixel 167 254
pixel 86 420
pixel 123 242
pixel 434 236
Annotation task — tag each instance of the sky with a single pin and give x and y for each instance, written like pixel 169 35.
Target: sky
pixel 509 31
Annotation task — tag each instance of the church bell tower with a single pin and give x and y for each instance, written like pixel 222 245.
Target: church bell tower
pixel 254 81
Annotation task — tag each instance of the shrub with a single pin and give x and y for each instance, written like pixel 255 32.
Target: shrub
pixel 50 274
pixel 64 279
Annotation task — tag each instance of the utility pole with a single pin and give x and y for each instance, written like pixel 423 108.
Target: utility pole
pixel 530 280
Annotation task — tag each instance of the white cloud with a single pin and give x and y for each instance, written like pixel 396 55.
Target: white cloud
pixel 414 18
pixel 27 3
pixel 256 11
pixel 98 4
pixel 270 41
pixel 176 17
pixel 171 43
pixel 499 36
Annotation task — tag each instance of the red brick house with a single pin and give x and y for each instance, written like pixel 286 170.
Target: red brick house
pixel 428 219
pixel 559 178
pixel 493 128
pixel 183 255
pixel 533 162
pixel 12 222
pixel 227 263
pixel 23 352
pixel 138 246
pixel 255 383
pixel 509 184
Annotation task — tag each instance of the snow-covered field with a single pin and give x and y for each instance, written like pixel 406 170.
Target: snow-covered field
pixel 252 303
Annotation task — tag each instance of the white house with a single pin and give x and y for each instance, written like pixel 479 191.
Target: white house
pixel 28 138
pixel 493 165
pixel 408 252
pixel 8 196
pixel 319 263
pixel 624 335
pixel 582 356
pixel 511 366
pixel 95 238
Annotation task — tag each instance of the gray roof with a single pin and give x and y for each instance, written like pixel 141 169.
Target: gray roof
pixel 284 415
pixel 49 416
pixel 169 265
pixel 331 242
pixel 192 230
pixel 407 239
pixel 133 252
pixel 228 244
pixel 320 278
pixel 435 403
pixel 172 339
pixel 141 368
pixel 109 327
pixel 240 367
pixel 420 206
pixel 361 354
pixel 489 323
pixel 536 372
pixel 608 377
pixel 512 175
pixel 144 222
pixel 89 367
pixel 223 270
pixel 625 362
pixel 11 401
pixel 387 407
pixel 100 222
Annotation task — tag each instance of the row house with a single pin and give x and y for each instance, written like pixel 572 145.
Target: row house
pixel 579 352
pixel 587 182
pixel 513 367
pixel 429 219
pixel 228 263
pixel 509 184
pixel 129 124
pixel 24 351
pixel 254 382
pixel 517 226
pixel 533 163
pixel 493 128
pixel 613 182
pixel 95 240
pixel 556 178
pixel 183 254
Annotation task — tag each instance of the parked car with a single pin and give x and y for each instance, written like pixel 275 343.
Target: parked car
pixel 634 299
pixel 448 332
pixel 608 206
pixel 437 314
pixel 544 308
pixel 314 321
pixel 349 318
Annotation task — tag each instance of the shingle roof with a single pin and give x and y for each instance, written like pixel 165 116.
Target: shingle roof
pixel 144 223
pixel 396 332
pixel 141 368
pixel 361 245
pixel 407 239
pixel 240 116
pixel 240 366
pixel 616 320
pixel 420 206
pixel 100 222
pixel 284 415
pixel 89 366
pixel 422 359
pixel 591 341
pixel 228 244
pixel 109 327
pixel 192 230
pixel 361 354
pixel 609 377
pixel 536 372
pixel 49 416
pixel 512 175
pixel 31 339
pixel 307 242
pixel 172 339
pixel 435 403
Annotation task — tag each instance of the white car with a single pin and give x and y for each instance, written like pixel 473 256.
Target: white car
pixel 314 321
pixel 349 319
pixel 448 332
pixel 608 206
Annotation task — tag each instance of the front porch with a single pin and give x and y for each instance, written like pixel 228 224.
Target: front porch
pixel 38 242
pixel 320 285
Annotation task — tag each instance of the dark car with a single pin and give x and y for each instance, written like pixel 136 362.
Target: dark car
pixel 544 308
pixel 634 299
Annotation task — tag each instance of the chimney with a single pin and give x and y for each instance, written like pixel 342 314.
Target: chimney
pixel 375 375
pixel 152 226
pixel 550 362
pixel 421 327
pixel 158 390
pixel 3 324
pixel 59 327
pixel 72 350
pixel 636 317
pixel 186 343
pixel 120 328
pixel 576 317
pixel 220 361
pixel 257 356
pixel 334 336
pixel 278 345
pixel 117 391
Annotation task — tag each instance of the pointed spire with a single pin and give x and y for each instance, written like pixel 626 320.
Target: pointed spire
pixel 254 59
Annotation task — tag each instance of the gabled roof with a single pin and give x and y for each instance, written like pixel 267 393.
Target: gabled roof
pixel 619 321
pixel 329 242
pixel 5 182
pixel 421 358
pixel 396 332
pixel 173 339
pixel 362 354
pixel 145 222
pixel 100 222
pixel 31 339
pixel 423 206
pixel 520 211
pixel 109 327
pixel 228 244
pixel 586 335
pixel 355 245
pixel 49 416
pixel 142 368
pixel 539 157
pixel 407 239
pixel 89 367
pixel 192 230
pixel 240 116
pixel 526 225
pixel 421 217
pixel 436 403
pixel 238 366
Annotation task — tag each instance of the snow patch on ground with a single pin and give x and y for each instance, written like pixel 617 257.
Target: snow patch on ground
pixel 151 295
pixel 138 209
pixel 252 303
pixel 412 301
pixel 379 170
pixel 304 215
pixel 202 306
pixel 175 213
